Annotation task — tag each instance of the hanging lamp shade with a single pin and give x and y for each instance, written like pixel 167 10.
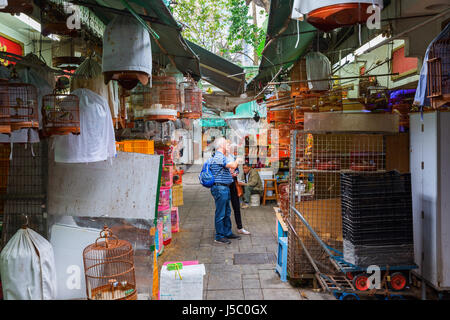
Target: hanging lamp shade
pixel 327 15
pixel 127 52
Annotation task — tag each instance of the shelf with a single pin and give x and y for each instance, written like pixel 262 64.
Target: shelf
pixel 338 171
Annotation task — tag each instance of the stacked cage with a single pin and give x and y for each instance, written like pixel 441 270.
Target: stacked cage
pixel 18 106
pixel 377 218
pixel 316 162
pixel 438 72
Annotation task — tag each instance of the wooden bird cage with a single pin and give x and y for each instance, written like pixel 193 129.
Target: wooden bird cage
pixel 165 99
pixel 18 106
pixel 438 71
pixel 60 114
pixel 193 102
pixel 5 121
pixel 109 268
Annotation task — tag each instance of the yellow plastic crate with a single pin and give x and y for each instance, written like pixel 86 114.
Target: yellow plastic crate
pixel 177 196
pixel 137 146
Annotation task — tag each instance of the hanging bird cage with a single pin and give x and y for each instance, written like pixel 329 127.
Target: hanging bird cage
pixel 165 98
pixel 109 268
pixel 19 106
pixel 60 114
pixel 127 52
pixel 140 100
pixel 5 121
pixel 438 71
pixel 193 101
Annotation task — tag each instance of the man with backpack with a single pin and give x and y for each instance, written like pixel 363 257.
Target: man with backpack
pixel 219 168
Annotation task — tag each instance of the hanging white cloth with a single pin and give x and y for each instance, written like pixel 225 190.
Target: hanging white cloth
pixel 3 4
pixel 96 141
pixel 27 266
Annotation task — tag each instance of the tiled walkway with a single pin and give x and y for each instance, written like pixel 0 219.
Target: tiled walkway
pixel 223 279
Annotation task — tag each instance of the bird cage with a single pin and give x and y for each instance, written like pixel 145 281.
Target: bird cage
pixel 140 101
pixel 127 52
pixel 438 71
pixel 19 107
pixel 165 99
pixel 5 126
pixel 60 114
pixel 109 268
pixel 193 101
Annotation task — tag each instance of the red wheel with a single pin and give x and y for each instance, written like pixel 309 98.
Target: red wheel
pixel 398 281
pixel 349 275
pixel 361 282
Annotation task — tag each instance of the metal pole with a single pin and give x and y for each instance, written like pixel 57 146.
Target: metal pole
pixel 339 78
pixel 401 34
pixel 324 246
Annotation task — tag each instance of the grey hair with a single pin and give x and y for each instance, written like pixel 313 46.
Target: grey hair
pixel 219 142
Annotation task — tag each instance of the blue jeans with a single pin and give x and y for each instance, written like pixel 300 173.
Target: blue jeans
pixel 221 196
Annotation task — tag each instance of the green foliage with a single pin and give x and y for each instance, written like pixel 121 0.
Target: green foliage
pixel 220 26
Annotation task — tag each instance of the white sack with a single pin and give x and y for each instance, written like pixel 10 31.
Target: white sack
pixel 96 141
pixel 27 267
pixel 3 4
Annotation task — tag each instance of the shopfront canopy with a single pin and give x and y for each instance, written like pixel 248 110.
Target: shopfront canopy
pixel 287 40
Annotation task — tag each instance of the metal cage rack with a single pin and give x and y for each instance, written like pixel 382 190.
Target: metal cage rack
pixel 316 162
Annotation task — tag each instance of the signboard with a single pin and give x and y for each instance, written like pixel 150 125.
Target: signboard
pixel 10 45
pixel 404 66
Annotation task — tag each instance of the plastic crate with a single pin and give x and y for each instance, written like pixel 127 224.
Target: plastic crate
pixel 165 214
pixel 167 176
pixel 164 196
pixel 175 218
pixel 177 196
pixel 178 176
pixel 137 146
pixel 167 153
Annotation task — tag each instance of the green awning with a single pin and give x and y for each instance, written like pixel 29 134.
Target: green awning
pixel 220 72
pixel 162 22
pixel 280 48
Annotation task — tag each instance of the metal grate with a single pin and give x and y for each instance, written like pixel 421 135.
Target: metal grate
pixel 23 188
pixel 317 159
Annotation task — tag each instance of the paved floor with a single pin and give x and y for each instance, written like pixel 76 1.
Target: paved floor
pixel 223 279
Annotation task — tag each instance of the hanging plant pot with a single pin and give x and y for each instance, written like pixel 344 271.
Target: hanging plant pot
pixel 127 53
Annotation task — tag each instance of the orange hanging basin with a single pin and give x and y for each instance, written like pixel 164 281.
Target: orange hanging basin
pixel 338 15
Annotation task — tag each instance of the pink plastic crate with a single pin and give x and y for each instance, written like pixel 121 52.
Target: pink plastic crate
pixel 175 218
pixel 164 197
pixel 167 152
pixel 165 214
pixel 167 176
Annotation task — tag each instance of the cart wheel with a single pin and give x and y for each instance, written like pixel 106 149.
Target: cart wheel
pixel 398 281
pixel 361 282
pixel 349 297
pixel 349 275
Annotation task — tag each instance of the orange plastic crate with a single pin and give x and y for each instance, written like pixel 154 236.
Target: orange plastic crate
pixel 137 146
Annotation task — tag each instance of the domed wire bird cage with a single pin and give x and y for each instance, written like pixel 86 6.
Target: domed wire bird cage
pixel 109 268
pixel 18 106
pixel 438 71
pixel 60 114
pixel 193 100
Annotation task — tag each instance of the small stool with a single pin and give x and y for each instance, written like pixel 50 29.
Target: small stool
pixel 274 189
pixel 282 230
pixel 281 266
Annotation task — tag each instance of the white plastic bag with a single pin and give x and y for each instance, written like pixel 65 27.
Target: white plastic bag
pixel 27 267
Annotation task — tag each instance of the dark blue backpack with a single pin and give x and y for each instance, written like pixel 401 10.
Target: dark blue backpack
pixel 206 177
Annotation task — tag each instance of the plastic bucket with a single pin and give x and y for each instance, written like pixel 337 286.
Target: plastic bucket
pixel 254 200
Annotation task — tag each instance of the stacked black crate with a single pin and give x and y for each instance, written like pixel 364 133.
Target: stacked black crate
pixel 377 218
